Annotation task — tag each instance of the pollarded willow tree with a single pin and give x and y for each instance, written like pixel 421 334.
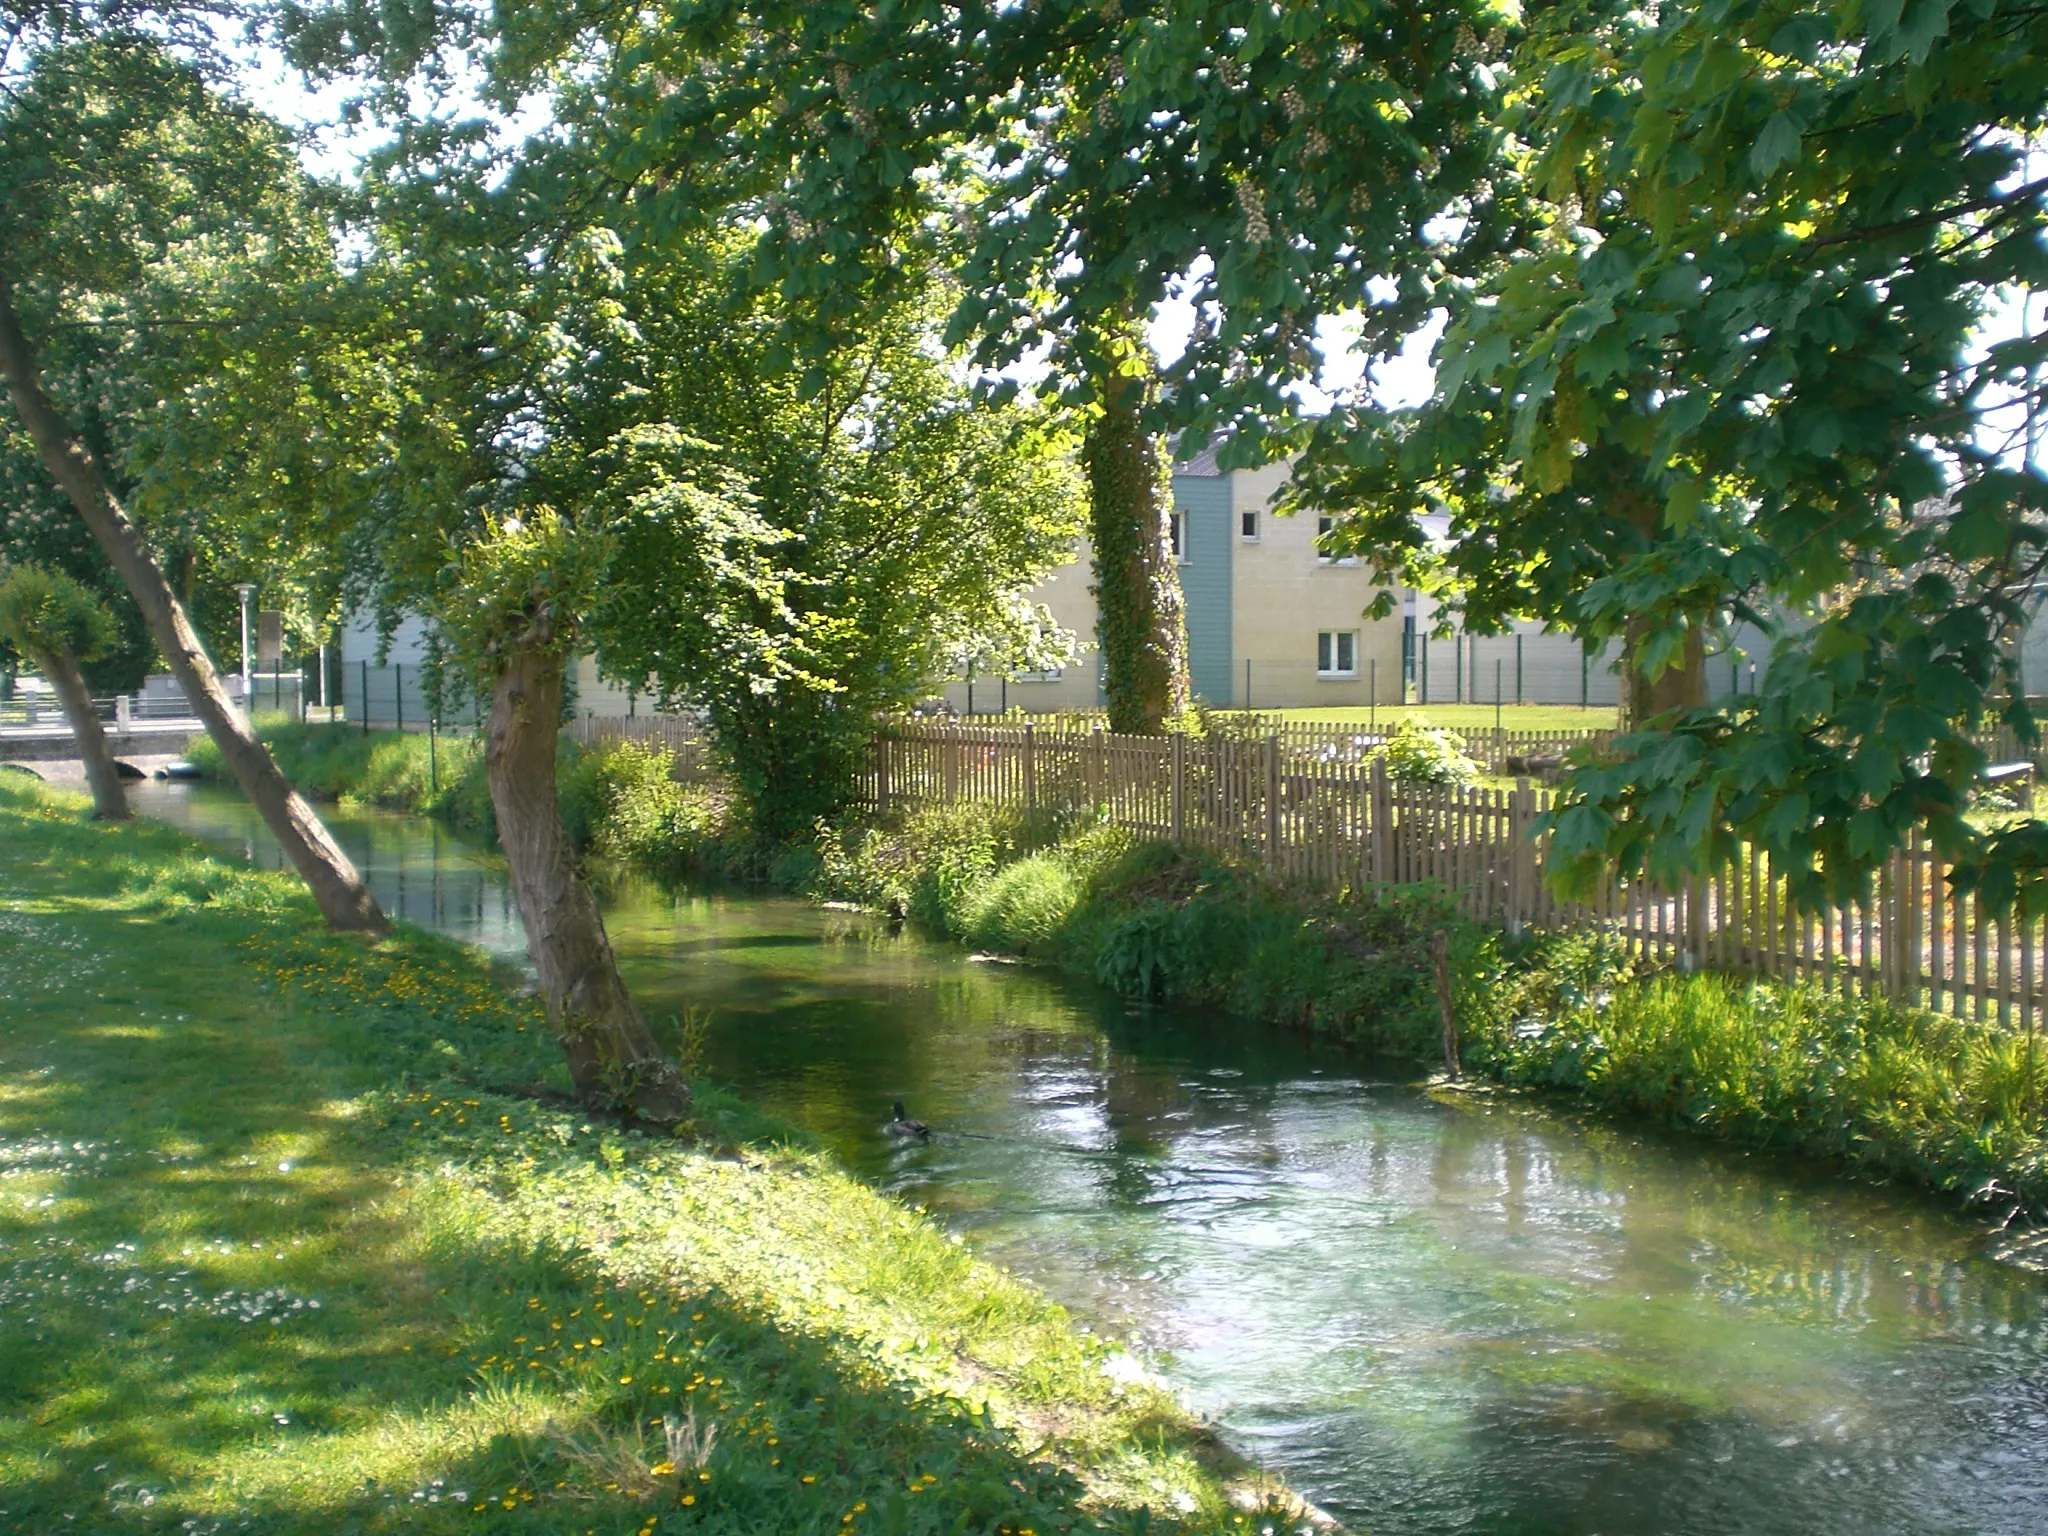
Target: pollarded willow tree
pixel 59 623
pixel 129 187
pixel 1760 317
pixel 596 447
pixel 498 338
pixel 1075 163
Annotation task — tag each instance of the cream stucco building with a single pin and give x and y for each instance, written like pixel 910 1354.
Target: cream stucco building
pixel 1273 623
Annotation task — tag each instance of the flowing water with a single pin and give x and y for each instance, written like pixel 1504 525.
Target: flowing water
pixel 1428 1317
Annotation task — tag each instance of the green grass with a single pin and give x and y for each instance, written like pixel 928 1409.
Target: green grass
pixel 1457 717
pixel 1946 1102
pixel 395 770
pixel 293 1239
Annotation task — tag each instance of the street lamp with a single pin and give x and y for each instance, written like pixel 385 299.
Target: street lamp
pixel 248 591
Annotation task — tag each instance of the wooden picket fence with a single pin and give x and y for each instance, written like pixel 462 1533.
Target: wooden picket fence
pixel 678 733
pixel 1331 818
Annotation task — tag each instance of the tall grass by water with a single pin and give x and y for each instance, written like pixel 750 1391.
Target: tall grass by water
pixel 1947 1102
pixel 301 1238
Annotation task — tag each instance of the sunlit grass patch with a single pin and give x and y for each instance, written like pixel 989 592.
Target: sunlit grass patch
pixel 288 1243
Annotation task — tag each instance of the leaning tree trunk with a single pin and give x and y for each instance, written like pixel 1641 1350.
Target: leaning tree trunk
pixel 1139 617
pixel 339 891
pixel 612 1055
pixel 109 799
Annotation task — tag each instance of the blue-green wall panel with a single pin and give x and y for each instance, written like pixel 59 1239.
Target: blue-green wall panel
pixel 1204 500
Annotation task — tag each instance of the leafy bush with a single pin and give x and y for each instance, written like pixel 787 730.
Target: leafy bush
pixel 1421 753
pixel 928 863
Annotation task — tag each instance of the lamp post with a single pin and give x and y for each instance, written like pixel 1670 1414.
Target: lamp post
pixel 248 592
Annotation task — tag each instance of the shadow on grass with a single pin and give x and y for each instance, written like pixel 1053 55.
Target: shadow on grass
pixel 241 1287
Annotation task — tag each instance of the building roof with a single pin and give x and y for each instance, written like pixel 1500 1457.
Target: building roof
pixel 1202 465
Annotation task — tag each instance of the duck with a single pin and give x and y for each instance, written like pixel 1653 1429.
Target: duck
pixel 900 1124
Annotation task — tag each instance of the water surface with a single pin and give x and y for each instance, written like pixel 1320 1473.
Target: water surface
pixel 1430 1318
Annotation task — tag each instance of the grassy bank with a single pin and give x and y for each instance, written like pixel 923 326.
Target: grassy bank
pixel 296 1239
pixel 395 770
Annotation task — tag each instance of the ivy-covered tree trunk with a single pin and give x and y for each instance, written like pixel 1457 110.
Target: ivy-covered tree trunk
pixel 613 1058
pixel 338 890
pixel 109 799
pixel 1140 621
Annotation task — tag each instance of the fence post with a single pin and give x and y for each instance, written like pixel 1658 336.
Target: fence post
pixel 366 698
pixel 1520 866
pixel 398 692
pixel 1180 785
pixel 883 741
pixel 1273 801
pixel 124 712
pixel 1030 768
pixel 1382 832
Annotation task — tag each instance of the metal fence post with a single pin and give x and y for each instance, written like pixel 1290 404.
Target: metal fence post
pixel 366 698
pixel 398 692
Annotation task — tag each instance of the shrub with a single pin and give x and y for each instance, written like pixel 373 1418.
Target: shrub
pixel 1947 1101
pixel 1023 907
pixel 1421 753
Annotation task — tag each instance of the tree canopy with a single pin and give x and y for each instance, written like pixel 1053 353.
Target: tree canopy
pixel 1714 356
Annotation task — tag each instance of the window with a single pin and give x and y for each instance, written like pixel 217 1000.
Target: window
pixel 1177 533
pixel 1326 524
pixel 1337 653
pixel 1049 675
pixel 1248 525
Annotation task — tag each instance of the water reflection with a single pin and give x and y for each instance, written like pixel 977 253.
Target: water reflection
pixel 1431 1318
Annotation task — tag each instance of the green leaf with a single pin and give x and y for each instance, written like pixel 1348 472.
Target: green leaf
pixel 1777 145
pixel 1682 506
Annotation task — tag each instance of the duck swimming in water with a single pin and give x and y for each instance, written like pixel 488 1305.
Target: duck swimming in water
pixel 901 1124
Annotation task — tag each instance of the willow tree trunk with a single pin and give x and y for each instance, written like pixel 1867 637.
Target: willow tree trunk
pixel 109 798
pixel 1140 621
pixel 339 891
pixel 613 1059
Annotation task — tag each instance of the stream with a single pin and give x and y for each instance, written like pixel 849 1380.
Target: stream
pixel 1435 1318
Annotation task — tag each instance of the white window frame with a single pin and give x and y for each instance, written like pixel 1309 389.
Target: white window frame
pixel 1177 536
pixel 1330 648
pixel 1326 522
pixel 1250 514
pixel 1049 675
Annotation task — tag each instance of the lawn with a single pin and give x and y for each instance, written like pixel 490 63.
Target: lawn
pixel 293 1239
pixel 1457 717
